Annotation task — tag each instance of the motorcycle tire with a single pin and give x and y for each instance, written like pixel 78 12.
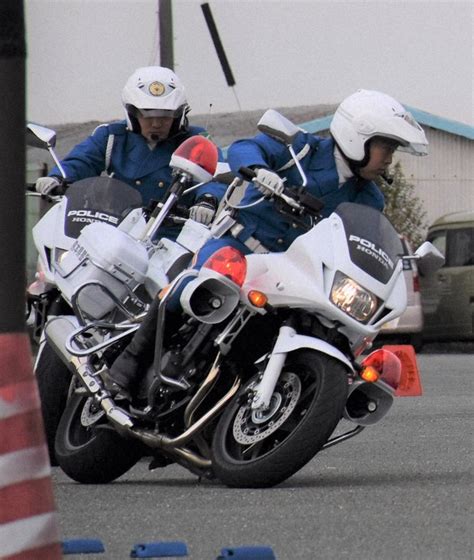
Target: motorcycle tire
pixel 53 379
pixel 260 450
pixel 92 453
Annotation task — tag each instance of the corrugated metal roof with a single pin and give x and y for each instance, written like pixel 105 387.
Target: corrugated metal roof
pixel 424 118
pixel 446 125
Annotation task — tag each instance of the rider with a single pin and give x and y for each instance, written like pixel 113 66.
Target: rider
pixel 138 149
pixel 367 128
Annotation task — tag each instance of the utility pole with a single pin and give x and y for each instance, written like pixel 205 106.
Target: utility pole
pixel 166 33
pixel 12 166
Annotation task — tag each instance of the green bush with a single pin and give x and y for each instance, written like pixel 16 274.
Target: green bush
pixel 402 207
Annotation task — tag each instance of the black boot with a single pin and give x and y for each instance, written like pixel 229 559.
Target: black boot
pixel 125 369
pixel 133 361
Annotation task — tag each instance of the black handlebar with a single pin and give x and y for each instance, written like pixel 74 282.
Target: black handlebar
pixel 247 173
pixel 311 204
pixel 309 201
pixel 60 190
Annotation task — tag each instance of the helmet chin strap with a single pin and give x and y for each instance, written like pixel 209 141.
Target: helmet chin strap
pixel 356 166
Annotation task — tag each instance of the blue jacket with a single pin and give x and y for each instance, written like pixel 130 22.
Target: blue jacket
pixel 131 161
pixel 262 221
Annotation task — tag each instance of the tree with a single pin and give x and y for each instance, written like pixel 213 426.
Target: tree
pixel 402 207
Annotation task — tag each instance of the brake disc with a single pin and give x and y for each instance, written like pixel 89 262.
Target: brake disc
pixel 251 426
pixel 90 413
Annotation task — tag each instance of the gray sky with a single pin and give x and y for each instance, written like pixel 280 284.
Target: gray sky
pixel 282 53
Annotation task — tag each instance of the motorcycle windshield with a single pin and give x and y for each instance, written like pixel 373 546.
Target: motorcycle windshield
pixel 374 245
pixel 98 199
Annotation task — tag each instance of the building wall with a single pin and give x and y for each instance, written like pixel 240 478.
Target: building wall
pixel 444 179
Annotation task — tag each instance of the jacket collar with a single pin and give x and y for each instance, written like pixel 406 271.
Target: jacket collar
pixel 322 156
pixel 344 172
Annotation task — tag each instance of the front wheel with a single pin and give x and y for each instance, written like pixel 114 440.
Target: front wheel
pixel 255 449
pixel 53 378
pixel 88 449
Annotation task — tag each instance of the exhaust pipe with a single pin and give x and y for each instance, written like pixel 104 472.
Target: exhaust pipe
pixel 368 403
pixel 57 331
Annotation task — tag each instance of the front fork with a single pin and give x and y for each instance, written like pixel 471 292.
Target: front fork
pixel 264 390
pixel 289 340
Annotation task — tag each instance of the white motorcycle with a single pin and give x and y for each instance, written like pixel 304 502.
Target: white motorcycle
pixel 96 199
pixel 267 363
pixel 96 202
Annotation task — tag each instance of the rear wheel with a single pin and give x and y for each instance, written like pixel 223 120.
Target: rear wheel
pixel 53 378
pixel 261 449
pixel 87 448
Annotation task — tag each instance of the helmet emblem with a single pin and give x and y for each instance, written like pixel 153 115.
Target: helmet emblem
pixel 156 89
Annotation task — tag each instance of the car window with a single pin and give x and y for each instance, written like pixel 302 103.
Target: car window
pixel 438 238
pixel 460 247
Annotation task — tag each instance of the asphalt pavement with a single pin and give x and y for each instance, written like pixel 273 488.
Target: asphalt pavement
pixel 402 489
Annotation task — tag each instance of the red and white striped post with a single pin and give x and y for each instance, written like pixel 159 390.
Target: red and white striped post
pixel 28 524
pixel 28 527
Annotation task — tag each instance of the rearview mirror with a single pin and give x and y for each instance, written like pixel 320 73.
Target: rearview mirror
pixel 277 126
pixel 430 259
pixel 38 136
pixel 223 173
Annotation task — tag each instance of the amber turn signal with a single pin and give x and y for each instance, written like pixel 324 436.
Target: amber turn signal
pixel 257 299
pixel 369 374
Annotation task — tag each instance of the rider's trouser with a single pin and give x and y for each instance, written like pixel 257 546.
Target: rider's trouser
pixel 139 352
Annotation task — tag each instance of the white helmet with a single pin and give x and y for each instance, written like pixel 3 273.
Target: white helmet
pixel 155 91
pixel 366 114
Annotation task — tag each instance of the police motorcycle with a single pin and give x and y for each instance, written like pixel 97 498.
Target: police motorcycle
pixel 95 200
pixel 102 199
pixel 266 369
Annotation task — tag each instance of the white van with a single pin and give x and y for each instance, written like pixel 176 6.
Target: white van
pixel 408 328
pixel 447 296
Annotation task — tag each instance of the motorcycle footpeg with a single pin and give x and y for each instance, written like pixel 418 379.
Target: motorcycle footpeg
pixel 117 392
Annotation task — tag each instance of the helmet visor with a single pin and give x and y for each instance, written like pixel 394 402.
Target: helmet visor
pixel 153 113
pixel 403 128
pixel 415 149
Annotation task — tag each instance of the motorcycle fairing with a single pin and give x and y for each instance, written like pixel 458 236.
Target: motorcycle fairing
pixel 290 342
pixel 374 245
pixel 302 276
pixel 98 199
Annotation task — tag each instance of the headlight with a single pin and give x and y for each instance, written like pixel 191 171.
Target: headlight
pixel 352 298
pixel 61 254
